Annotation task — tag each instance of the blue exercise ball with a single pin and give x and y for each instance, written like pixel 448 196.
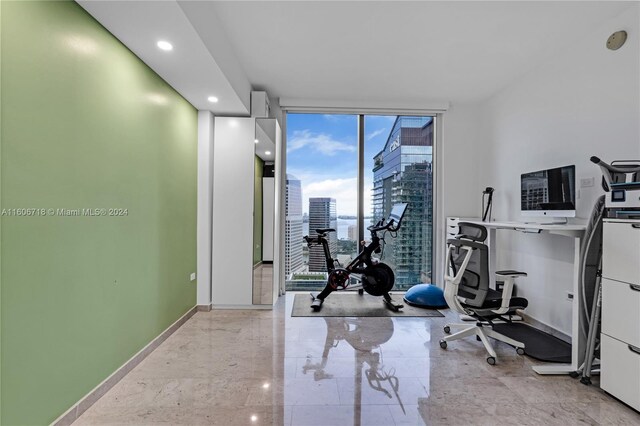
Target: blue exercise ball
pixel 425 296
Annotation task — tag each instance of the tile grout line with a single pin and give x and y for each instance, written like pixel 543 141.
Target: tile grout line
pixel 77 409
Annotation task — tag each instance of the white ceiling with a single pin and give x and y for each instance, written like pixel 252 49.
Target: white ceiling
pixel 392 52
pixel 190 67
pixel 406 51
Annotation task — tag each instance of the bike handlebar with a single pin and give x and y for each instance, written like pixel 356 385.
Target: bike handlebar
pixel 381 226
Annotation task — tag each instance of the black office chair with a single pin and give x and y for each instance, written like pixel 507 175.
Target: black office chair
pixel 467 290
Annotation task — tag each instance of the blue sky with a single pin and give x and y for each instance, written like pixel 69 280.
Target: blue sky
pixel 322 153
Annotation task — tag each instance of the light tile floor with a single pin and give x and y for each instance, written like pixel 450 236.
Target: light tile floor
pixel 265 367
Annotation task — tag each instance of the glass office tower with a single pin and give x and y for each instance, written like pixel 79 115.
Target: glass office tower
pixel 322 214
pixel 293 227
pixel 403 173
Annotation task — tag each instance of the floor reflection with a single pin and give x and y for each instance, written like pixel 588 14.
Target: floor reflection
pixel 378 366
pixel 365 337
pixel 261 367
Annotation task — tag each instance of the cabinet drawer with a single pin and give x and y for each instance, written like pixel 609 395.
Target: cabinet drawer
pixel 621 251
pixel 621 311
pixel 620 370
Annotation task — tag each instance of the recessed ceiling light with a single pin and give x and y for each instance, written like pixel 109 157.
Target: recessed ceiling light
pixel 254 418
pixel 165 45
pixel 256 140
pixel 212 99
pixel 265 386
pixel 267 152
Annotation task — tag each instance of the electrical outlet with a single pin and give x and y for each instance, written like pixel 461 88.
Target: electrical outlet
pixel 569 296
pixel 587 182
pixel 193 276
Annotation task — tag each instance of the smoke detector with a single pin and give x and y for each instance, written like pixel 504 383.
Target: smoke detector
pixel 616 40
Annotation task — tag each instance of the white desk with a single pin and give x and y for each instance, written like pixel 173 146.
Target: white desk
pixel 574 231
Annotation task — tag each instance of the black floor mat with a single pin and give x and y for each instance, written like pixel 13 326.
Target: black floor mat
pixel 351 304
pixel 537 344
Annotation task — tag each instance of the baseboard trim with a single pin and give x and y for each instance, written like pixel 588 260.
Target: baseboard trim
pixel 93 396
pixel 528 319
pixel 203 308
pixel 241 307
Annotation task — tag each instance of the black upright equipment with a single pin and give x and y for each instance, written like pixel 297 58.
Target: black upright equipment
pixel 377 278
pixel 486 211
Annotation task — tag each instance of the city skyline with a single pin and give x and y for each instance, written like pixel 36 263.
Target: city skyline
pixel 403 174
pixel 398 168
pixel 322 153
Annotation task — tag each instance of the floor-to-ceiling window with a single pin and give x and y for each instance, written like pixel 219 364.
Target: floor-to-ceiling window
pixel 322 191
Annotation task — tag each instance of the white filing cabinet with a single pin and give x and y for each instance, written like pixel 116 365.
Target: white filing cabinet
pixel 620 343
pixel 452 227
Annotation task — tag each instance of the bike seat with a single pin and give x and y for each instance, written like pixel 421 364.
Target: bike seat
pixel 325 230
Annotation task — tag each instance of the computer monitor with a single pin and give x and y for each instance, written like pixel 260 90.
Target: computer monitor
pixel 550 193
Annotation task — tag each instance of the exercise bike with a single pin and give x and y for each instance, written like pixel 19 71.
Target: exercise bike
pixel 376 278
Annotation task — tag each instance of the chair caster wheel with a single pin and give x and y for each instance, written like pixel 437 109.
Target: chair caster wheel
pixel 443 344
pixel 520 351
pixel 491 360
pixel 360 291
pixel 447 329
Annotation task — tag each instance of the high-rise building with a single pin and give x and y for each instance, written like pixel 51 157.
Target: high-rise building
pixel 403 173
pixel 293 226
pixel 322 214
pixel 352 232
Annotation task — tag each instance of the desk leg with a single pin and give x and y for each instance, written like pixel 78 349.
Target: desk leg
pixel 577 339
pixel 492 257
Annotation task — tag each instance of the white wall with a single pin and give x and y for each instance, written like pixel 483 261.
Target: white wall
pixel 233 181
pixel 461 148
pixel 458 146
pixel 583 102
pixel 205 205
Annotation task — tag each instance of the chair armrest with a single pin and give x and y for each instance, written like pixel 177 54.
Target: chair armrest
pixel 507 291
pixel 511 273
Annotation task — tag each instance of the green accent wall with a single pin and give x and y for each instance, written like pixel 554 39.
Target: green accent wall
pixel 86 125
pixel 257 210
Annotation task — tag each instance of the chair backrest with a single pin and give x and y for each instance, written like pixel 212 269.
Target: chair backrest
pixel 474 286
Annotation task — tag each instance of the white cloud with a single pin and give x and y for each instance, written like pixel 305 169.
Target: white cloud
pixel 343 190
pixel 319 142
pixel 375 133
